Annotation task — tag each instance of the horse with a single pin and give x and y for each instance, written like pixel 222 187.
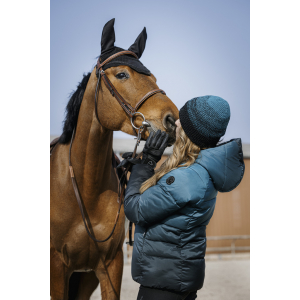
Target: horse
pixel 77 262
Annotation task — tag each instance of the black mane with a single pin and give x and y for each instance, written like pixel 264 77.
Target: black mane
pixel 72 110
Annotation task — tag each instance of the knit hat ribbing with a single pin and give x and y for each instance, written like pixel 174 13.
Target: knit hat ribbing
pixel 205 119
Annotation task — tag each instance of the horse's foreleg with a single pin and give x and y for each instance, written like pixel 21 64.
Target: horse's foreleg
pixel 59 277
pixel 110 277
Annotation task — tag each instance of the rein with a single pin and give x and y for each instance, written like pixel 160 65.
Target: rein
pixel 131 112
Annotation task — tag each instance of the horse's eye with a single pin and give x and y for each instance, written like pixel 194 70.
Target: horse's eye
pixel 122 75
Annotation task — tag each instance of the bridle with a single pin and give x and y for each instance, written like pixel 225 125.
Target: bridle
pixel 131 112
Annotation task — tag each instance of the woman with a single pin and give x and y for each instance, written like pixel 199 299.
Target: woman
pixel 172 206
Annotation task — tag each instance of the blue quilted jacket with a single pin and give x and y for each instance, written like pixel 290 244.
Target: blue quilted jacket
pixel 171 217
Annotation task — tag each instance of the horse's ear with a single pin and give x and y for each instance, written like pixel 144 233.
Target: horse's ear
pixel 108 36
pixel 138 46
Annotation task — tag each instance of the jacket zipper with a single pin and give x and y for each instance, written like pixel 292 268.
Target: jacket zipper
pixel 143 244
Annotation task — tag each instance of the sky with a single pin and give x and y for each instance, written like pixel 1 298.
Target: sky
pixel 194 48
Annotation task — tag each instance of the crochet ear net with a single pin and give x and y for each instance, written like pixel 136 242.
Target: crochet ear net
pixel 139 45
pixel 108 39
pixel 108 36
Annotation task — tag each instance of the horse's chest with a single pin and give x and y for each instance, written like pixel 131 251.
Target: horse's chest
pixel 71 240
pixel 79 251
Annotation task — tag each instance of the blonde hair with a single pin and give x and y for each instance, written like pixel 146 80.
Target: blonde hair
pixel 184 151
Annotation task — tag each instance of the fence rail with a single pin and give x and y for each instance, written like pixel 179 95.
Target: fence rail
pixel 232 248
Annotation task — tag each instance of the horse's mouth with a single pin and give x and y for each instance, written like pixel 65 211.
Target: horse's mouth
pixel 172 134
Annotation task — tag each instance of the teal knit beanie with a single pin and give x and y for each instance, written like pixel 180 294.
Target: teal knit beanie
pixel 205 119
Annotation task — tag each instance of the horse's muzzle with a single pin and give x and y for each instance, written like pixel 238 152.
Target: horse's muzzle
pixel 168 123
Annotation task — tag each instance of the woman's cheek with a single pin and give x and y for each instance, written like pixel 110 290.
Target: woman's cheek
pixel 177 132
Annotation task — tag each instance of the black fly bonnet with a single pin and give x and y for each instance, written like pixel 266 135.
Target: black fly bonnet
pixel 108 49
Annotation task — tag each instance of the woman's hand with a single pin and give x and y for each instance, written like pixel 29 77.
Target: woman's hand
pixel 154 148
pixel 129 160
pixel 152 152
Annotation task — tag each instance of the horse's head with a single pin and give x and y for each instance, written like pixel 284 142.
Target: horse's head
pixel 132 81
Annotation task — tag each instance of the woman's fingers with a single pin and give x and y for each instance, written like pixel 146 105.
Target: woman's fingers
pixel 164 142
pixel 128 154
pixel 123 164
pixel 148 141
pixel 155 138
pixel 160 139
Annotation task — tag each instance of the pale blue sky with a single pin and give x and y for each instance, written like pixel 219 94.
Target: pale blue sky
pixel 194 48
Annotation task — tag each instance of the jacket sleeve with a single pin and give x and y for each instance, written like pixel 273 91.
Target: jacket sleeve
pixel 154 205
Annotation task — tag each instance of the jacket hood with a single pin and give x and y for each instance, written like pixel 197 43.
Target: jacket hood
pixel 225 164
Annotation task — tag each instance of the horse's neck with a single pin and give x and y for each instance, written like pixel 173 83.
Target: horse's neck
pixel 92 149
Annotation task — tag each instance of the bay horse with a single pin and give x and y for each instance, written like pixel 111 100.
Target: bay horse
pixel 72 251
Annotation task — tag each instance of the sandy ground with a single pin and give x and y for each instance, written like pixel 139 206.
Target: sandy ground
pixel 225 280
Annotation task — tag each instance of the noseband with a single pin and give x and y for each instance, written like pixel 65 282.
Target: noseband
pixel 131 112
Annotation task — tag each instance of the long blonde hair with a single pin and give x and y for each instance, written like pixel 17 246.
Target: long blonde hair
pixel 184 151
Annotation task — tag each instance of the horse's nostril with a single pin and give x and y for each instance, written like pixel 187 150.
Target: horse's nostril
pixel 171 120
pixel 169 123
